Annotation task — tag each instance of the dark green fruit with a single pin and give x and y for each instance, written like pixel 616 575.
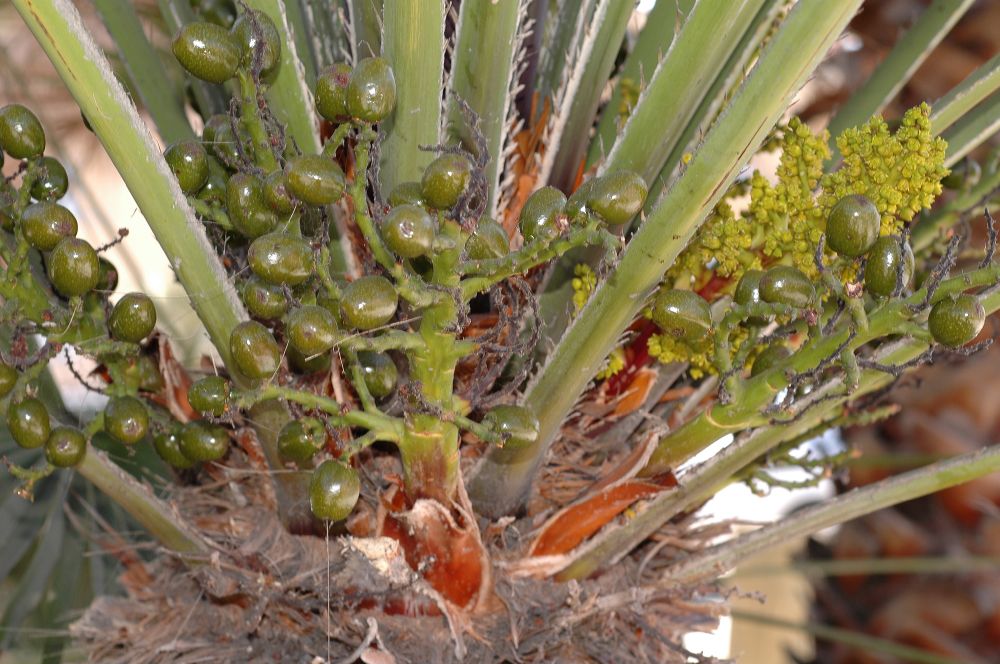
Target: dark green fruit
pixel 21 134
pixel 517 424
pixel 256 353
pixel 331 91
pixel 299 440
pixel 126 419
pixel 368 302
pixel 539 219
pixel 188 161
pixel 8 378
pixel 204 441
pixel 276 193
pixel 248 208
pixel 209 395
pixel 784 284
pixel 168 446
pixel 488 241
pixel 771 356
pixel 207 51
pixel 45 224
pixel 218 136
pixel 380 373
pixel 281 259
pixel 264 300
pixel 853 226
pixel 315 179
pixel 28 422
pixel 408 231
pixel 748 292
pixel 883 262
pixel 333 491
pixel 445 180
pixel 311 330
pixel 955 321
pixel 214 189
pixel 576 206
pixel 107 279
pixel 682 314
pixel 310 364
pixel 52 182
pixel 964 175
pixel 406 193
pixel 617 197
pixel 73 267
pixel 219 12
pixel 255 31
pixel 371 92
pixel 65 447
pixel 133 318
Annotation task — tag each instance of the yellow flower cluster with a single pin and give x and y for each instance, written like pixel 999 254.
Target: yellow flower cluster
pixel 722 246
pixel 584 282
pixel 666 349
pixel 614 364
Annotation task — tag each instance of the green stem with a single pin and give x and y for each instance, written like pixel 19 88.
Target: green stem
pixel 959 564
pixel 976 87
pixel 253 122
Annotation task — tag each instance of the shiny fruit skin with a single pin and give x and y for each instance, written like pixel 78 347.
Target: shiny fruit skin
pixel 300 439
pixel 21 134
pixel 126 419
pixel 8 378
pixel 53 181
pixel 883 262
pixel 263 37
pixel 406 193
pixel 65 447
pixel 202 441
pixel 368 302
pixel 408 231
pixel 853 226
pixel 445 180
pixel 276 193
pixel 517 424
pixel 303 364
pixel 281 259
pixel 748 292
pixel 488 241
pixel 248 208
pixel 618 197
pixel 219 12
pixel 539 218
pixel 256 353
pixel 784 284
pixel 315 179
pixel 371 92
pixel 331 91
pixel 107 279
pixel 45 224
pixel 168 445
pixel 188 161
pixel 209 395
pixel 577 206
pixel 214 189
pixel 73 267
pixel 217 136
pixel 28 422
pixel 955 321
pixel 133 318
pixel 264 300
pixel 311 330
pixel 682 314
pixel 380 373
pixel 207 51
pixel 333 490
pixel 771 356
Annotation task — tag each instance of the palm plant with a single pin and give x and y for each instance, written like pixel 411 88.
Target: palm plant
pixel 369 214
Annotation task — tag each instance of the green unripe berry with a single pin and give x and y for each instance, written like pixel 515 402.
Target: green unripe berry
pixel 299 440
pixel 255 31
pixel 203 441
pixel 957 320
pixel 315 179
pixel 312 330
pixel 682 314
pixel 168 445
pixel 853 226
pixel 188 161
pixel 209 395
pixel 406 193
pixel 883 263
pixel 617 197
pixel 517 424
pixel 333 491
pixel 8 378
pixel 73 267
pixel 126 419
pixel 45 224
pixel 371 92
pixel 207 51
pixel 65 447
pixel 770 357
pixel 539 218
pixel 445 180
pixel 28 422
pixel 408 231
pixel 308 364
pixel 368 302
pixel 748 292
pixel 214 189
pixel 21 134
pixel 107 279
pixel 331 91
pixel 264 300
pixel 380 373
pixel 248 208
pixel 281 259
pixel 52 182
pixel 219 12
pixel 132 318
pixel 784 284
pixel 256 353
pixel 576 206
pixel 218 137
pixel 488 241
pixel 276 193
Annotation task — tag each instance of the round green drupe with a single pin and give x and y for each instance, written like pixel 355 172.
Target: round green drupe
pixel 368 302
pixel 300 439
pixel 445 180
pixel 247 205
pixel 406 193
pixel 132 318
pixel 371 92
pixel 315 179
pixel 256 353
pixel 53 181
pixel 408 231
pixel 784 284
pixel 331 91
pixel 73 267
pixel 517 424
pixel 380 373
pixel 853 226
pixel 258 38
pixel 21 134
pixel 539 218
pixel 65 447
pixel 188 161
pixel 682 314
pixel 126 419
pixel 311 330
pixel 883 265
pixel 577 205
pixel 281 259
pixel 209 395
pixel 617 197
pixel 748 292
pixel 168 445
pixel 333 491
pixel 202 441
pixel 207 51
pixel 28 422
pixel 8 378
pixel 276 193
pixel 45 223
pixel 488 241
pixel 263 299
pixel 955 321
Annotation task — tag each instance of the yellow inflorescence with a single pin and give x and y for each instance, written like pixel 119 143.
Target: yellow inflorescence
pixel 584 282
pixel 614 364
pixel 668 349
